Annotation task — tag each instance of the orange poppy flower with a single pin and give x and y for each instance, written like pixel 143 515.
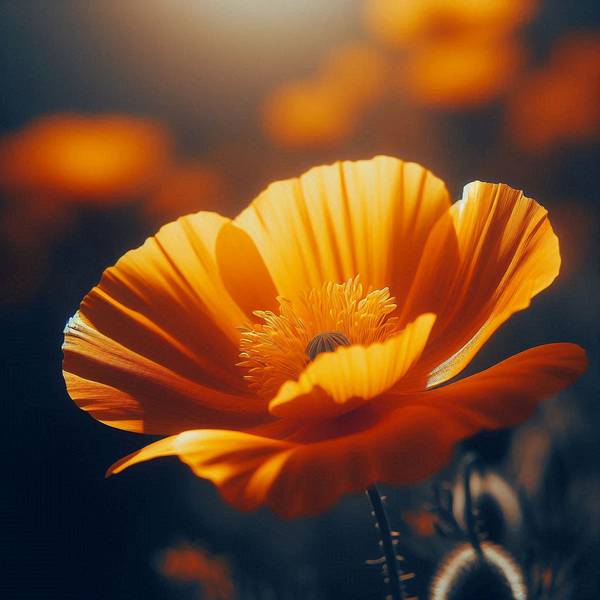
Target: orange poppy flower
pixel 298 351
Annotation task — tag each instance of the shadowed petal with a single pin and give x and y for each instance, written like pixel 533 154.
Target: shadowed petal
pixel 398 446
pixel 508 393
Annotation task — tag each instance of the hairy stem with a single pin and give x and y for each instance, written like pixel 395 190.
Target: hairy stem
pixel 387 544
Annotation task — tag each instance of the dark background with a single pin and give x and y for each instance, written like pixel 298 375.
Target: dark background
pixel 202 70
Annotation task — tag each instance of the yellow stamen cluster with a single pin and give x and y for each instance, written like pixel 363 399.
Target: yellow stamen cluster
pixel 275 350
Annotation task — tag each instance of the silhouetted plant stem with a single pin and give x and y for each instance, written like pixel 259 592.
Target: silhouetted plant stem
pixel 469 517
pixel 387 545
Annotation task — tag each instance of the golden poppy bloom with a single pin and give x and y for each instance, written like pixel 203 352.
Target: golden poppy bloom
pixel 298 352
pixel 84 158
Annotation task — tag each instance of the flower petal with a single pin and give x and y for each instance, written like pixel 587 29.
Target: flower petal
pixel 483 262
pixel 340 381
pixel 159 333
pixel 509 392
pixel 128 390
pixel 243 271
pixel 368 218
pixel 298 477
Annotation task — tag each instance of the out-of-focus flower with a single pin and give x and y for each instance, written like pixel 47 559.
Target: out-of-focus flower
pixel 308 113
pixel 76 158
pixel 420 521
pixel 461 72
pixel 359 69
pixel 411 22
pixel 560 102
pixel 456 53
pixel 271 347
pixel 186 188
pixel 324 110
pixel 191 563
pixel 465 576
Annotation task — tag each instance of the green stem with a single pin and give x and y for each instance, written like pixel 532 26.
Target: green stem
pixel 387 544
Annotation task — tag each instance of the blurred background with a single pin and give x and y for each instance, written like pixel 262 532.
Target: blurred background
pixel 117 117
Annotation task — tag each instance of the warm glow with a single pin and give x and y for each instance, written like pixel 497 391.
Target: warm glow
pixel 83 158
pixel 308 114
pixel 459 73
pixel 359 70
pixel 418 21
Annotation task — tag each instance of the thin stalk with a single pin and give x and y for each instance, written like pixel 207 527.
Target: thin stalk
pixel 387 545
pixel 469 517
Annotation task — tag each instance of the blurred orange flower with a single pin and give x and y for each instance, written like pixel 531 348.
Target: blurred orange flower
pixel 561 102
pixel 271 347
pixel 84 158
pixel 190 563
pixel 311 114
pixel 461 72
pixel 358 69
pixel 322 111
pixel 456 53
pixel 415 21
pixel 421 521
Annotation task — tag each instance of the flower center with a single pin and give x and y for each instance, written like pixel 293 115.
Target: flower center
pixel 319 320
pixel 325 342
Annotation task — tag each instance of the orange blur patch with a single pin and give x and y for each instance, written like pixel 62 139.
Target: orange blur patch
pixel 461 72
pixel 559 103
pixel 193 564
pixel 187 188
pixel 358 69
pixel 417 21
pixel 323 110
pixel 78 158
pixel 455 54
pixel 420 521
pixel 311 114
